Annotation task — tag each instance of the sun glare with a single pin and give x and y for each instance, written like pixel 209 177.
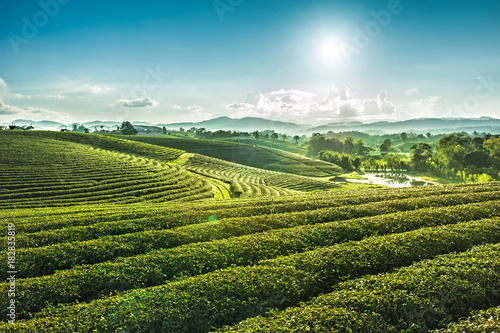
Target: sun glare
pixel 329 51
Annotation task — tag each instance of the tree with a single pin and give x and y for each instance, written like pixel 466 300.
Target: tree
pixel 127 128
pixel 356 163
pixel 296 138
pixel 200 132
pixel 284 136
pixel 478 143
pixel 317 143
pixel 256 135
pixel 384 147
pixel 274 136
pixel 492 145
pixel 181 130
pixel 348 144
pixel 428 135
pixel 358 147
pixel 420 156
pixel 164 130
pixel 476 158
pixel 404 136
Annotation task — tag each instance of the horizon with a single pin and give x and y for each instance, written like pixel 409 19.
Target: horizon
pixel 309 62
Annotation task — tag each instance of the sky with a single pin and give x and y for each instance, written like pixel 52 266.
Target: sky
pixel 304 61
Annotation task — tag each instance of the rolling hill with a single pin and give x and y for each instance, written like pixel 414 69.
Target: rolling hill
pixel 105 234
pixel 249 155
pixel 40 170
pixel 55 169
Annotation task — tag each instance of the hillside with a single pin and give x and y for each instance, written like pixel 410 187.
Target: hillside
pixel 56 169
pixel 105 234
pixel 326 261
pixel 419 125
pixel 41 170
pixel 247 124
pixel 250 155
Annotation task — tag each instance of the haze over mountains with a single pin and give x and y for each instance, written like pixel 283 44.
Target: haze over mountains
pixel 248 124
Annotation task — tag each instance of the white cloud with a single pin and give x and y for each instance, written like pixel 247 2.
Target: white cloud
pixel 19 96
pixel 177 107
pixel 6 109
pixel 424 107
pixel 97 89
pixel 412 92
pixel 339 103
pixel 293 92
pixel 3 88
pixel 33 113
pixel 195 108
pixel 136 103
pixel 239 106
pixel 340 92
pixel 4 91
pixel 378 106
pixel 56 96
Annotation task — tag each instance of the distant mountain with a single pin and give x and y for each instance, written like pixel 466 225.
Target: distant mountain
pixel 42 124
pixel 250 124
pixel 247 124
pixel 141 123
pixel 421 125
pixel 99 123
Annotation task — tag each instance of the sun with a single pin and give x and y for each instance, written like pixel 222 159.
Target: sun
pixel 329 51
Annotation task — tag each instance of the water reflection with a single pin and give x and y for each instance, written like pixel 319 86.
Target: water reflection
pixel 390 179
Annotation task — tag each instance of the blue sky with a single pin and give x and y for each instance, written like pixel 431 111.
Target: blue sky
pixel 310 61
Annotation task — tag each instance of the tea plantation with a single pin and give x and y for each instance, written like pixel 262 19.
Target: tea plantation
pixel 113 235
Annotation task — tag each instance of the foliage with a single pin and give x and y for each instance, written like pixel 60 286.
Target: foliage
pixel 127 128
pixel 157 267
pixel 345 161
pixel 466 159
pixel 319 142
pixel 224 297
pixel 417 298
pixel 487 321
pixel 384 147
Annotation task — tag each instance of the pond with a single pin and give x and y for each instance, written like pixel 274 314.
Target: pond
pixel 393 180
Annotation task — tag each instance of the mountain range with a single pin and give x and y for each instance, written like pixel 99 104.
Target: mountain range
pixel 249 124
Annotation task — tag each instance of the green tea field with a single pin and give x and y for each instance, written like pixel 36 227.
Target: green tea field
pixel 104 234
pixel 246 154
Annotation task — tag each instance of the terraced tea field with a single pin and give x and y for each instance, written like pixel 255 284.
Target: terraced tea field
pixel 55 169
pixel 249 155
pixel 40 171
pixel 98 259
